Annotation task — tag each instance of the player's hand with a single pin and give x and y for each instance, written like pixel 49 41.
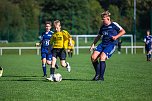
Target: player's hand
pixel 37 44
pixel 91 48
pixel 70 44
pixel 114 37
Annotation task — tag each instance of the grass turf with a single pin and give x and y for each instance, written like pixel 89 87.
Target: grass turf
pixel 127 78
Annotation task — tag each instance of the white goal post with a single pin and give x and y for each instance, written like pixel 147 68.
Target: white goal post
pixel 77 47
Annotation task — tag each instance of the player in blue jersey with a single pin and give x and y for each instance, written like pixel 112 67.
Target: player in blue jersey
pixel 46 55
pixel 148 45
pixel 110 32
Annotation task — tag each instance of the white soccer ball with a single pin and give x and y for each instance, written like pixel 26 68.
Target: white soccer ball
pixel 1 71
pixel 58 77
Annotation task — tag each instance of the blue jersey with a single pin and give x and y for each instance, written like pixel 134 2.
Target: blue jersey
pixel 148 40
pixel 148 43
pixel 109 31
pixel 45 38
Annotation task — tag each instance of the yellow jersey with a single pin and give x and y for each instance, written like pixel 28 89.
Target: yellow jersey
pixel 58 39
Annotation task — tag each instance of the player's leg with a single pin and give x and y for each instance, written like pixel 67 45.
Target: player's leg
pixel 68 51
pixel 62 57
pixel 147 52
pixel 49 60
pixel 71 53
pixel 102 66
pixel 52 67
pixel 56 65
pixel 149 55
pixel 106 54
pixel 43 55
pixel 95 63
pixel 94 59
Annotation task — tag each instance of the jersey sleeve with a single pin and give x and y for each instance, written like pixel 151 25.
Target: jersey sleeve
pixel 117 27
pixel 66 34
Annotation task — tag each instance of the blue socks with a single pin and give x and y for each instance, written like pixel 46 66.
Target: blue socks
pixel 44 69
pixel 102 69
pixel 148 57
pixel 96 67
pixel 52 70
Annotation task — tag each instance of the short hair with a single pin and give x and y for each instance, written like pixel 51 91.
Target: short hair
pixel 56 22
pixel 107 13
pixel 48 22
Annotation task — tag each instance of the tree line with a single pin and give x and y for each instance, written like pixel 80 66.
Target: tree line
pixel 23 20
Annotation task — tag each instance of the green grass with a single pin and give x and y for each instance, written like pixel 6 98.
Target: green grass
pixel 127 78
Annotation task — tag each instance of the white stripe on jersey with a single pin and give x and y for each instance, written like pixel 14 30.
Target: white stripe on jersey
pixel 117 25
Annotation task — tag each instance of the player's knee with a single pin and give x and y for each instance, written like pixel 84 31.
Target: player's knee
pixel 93 59
pixel 103 57
pixel 63 64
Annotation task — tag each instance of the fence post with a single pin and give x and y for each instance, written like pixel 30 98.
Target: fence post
pixel 19 51
pixel 1 51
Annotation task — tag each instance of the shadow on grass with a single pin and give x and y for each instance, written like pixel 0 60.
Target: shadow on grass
pixel 35 78
pixel 77 79
pixel 19 76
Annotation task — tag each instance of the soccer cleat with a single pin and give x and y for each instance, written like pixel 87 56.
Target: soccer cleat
pixel 96 78
pixel 1 71
pixel 102 79
pixel 51 78
pixel 68 67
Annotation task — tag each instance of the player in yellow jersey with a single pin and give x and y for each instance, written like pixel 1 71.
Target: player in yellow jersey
pixel 57 42
pixel 70 49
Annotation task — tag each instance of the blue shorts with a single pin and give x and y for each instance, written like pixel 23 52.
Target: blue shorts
pixel 148 47
pixel 107 49
pixel 46 53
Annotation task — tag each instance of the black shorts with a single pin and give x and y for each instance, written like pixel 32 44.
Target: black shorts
pixel 59 52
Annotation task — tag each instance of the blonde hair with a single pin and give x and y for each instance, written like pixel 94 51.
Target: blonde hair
pixel 105 13
pixel 57 21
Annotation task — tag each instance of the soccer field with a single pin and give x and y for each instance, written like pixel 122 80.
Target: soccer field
pixel 127 78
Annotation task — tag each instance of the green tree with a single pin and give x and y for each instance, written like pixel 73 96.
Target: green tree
pixel 30 12
pixel 10 25
pixel 77 16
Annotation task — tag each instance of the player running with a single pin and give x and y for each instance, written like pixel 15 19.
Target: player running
pixel 110 32
pixel 148 45
pixel 70 49
pixel 46 56
pixel 57 43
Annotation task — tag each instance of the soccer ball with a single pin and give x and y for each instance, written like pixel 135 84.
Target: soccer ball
pixel 58 77
pixel 1 71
